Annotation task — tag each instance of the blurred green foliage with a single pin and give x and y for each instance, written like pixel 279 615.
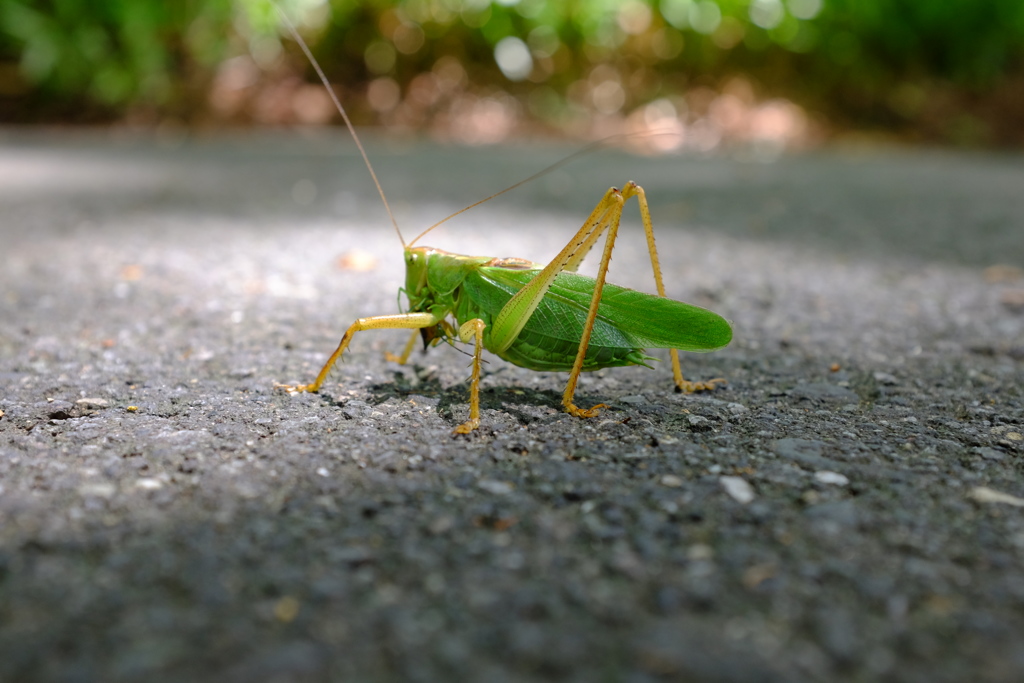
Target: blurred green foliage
pixel 884 63
pixel 109 54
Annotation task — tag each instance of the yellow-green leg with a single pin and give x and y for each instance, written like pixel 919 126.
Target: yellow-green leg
pixel 406 321
pixel 631 189
pixel 406 352
pixel 610 214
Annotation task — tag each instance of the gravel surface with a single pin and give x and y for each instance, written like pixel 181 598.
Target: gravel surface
pixel 849 507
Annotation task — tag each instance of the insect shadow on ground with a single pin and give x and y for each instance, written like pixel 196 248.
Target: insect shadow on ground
pixel 500 398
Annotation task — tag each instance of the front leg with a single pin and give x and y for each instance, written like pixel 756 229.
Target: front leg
pixel 405 321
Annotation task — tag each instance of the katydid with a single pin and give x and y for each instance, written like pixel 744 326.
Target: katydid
pixel 540 317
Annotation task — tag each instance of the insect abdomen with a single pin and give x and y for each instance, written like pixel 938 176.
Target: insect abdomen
pixel 550 340
pixel 536 351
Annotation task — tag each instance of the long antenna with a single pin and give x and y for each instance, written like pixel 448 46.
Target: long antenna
pixel 351 129
pixel 344 116
pixel 558 164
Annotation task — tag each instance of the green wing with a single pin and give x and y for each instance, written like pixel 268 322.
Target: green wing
pixel 625 317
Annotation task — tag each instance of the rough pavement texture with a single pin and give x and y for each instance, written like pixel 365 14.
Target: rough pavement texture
pixel 848 507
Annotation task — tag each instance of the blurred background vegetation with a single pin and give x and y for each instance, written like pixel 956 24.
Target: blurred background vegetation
pixel 763 72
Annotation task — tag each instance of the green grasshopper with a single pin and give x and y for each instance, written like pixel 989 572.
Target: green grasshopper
pixel 540 317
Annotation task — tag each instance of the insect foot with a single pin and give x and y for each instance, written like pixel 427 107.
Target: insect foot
pixel 467 427
pixel 292 389
pixel 584 412
pixel 688 387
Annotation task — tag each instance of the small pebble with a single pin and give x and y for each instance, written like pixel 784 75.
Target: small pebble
pixel 671 480
pixel 93 402
pixel 738 489
pixel 737 408
pixel 698 422
pixel 357 260
pixel 286 609
pixel 984 494
pixel 829 477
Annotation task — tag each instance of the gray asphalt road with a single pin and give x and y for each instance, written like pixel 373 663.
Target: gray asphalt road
pixel 848 507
